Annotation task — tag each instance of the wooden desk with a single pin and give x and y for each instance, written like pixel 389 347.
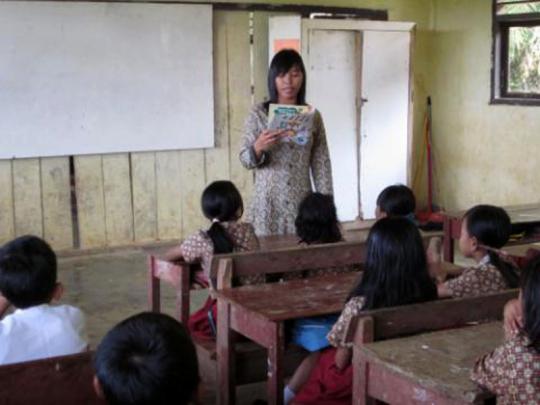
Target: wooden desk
pixel 259 312
pixel 432 368
pixel 522 217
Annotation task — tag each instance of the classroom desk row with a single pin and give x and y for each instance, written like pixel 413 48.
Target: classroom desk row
pixel 427 368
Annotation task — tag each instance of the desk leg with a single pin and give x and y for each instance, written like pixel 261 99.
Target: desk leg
pixel 275 365
pixel 448 242
pixel 154 296
pixel 226 386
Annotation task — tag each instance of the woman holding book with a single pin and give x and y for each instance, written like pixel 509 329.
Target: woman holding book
pixel 283 160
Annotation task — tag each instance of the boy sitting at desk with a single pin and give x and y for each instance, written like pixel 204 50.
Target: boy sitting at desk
pixel 36 329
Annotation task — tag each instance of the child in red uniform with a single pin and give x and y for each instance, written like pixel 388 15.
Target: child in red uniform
pixel 395 273
pixel 222 205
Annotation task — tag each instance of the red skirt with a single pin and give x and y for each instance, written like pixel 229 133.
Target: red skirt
pixel 199 322
pixel 327 385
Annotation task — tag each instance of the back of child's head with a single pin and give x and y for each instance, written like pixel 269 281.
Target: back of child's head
pixel 530 296
pixel 396 271
pixel 396 200
pixel 148 358
pixel 317 220
pixel 491 227
pixel 27 272
pixel 221 202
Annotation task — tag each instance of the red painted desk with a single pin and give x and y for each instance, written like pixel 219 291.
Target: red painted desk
pixel 259 312
pixel 521 216
pixel 432 368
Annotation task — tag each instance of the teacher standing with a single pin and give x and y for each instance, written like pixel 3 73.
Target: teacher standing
pixel 282 169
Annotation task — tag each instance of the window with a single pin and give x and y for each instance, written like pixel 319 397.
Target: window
pixel 516 52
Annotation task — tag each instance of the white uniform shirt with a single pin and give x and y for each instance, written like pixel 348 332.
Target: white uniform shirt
pixel 41 331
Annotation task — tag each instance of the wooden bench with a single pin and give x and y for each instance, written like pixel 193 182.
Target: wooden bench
pixel 52 381
pixel 392 323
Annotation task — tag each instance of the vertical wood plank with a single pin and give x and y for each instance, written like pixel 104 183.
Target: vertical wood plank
pixel 238 45
pixel 117 192
pixel 90 201
pixel 143 177
pixel 169 195
pixel 27 197
pixel 260 55
pixel 217 159
pixel 56 194
pixel 7 214
pixel 193 183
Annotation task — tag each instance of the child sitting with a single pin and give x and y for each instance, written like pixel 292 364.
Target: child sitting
pixel 511 370
pixel 395 273
pixel 484 230
pixel 317 223
pixel 35 329
pixel 222 205
pixel 148 358
pixel 396 201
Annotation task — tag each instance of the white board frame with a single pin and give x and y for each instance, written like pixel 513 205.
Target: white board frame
pixel 94 78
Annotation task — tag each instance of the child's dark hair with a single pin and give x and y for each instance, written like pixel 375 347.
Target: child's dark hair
pixel 395 272
pixel 221 201
pixel 281 63
pixel 491 227
pixel 27 271
pixel 148 358
pixel 317 220
pixel 530 293
pixel 397 200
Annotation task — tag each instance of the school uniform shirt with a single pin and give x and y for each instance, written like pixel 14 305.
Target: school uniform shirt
pixel 511 371
pixel 338 334
pixel 199 248
pixel 481 279
pixel 42 331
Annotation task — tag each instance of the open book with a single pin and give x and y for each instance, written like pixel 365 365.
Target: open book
pixel 296 120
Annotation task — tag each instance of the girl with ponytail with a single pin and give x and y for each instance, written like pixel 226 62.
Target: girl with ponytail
pixel 222 205
pixel 485 229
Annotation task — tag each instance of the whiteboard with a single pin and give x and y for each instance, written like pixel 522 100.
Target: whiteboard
pixel 85 78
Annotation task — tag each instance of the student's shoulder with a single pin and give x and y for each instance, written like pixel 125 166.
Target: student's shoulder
pixel 355 305
pixel 68 312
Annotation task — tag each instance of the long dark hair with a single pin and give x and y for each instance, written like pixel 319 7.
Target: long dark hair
pixel 282 62
pixel 395 272
pixel 317 220
pixel 530 295
pixel 221 201
pixel 491 227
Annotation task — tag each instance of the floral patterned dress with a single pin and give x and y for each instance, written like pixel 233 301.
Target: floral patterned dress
pixel 282 174
pixel 511 371
pixel 481 279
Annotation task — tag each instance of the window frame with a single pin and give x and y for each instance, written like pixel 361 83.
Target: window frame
pixel 499 57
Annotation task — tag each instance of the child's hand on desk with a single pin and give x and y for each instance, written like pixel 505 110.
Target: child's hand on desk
pixel 513 318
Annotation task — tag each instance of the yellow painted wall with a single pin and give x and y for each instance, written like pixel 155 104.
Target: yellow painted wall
pixel 485 153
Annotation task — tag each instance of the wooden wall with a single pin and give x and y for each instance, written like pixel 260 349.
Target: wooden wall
pixel 142 197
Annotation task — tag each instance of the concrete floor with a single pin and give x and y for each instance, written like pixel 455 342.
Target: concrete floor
pixel 111 286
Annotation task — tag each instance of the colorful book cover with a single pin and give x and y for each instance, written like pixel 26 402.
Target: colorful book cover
pixel 296 120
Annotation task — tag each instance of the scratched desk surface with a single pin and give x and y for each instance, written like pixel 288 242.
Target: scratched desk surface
pixel 442 360
pixel 294 299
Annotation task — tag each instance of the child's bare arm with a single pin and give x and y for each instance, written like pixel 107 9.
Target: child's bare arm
pixel 4 305
pixel 343 357
pixel 173 254
pixel 443 291
pixel 513 318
